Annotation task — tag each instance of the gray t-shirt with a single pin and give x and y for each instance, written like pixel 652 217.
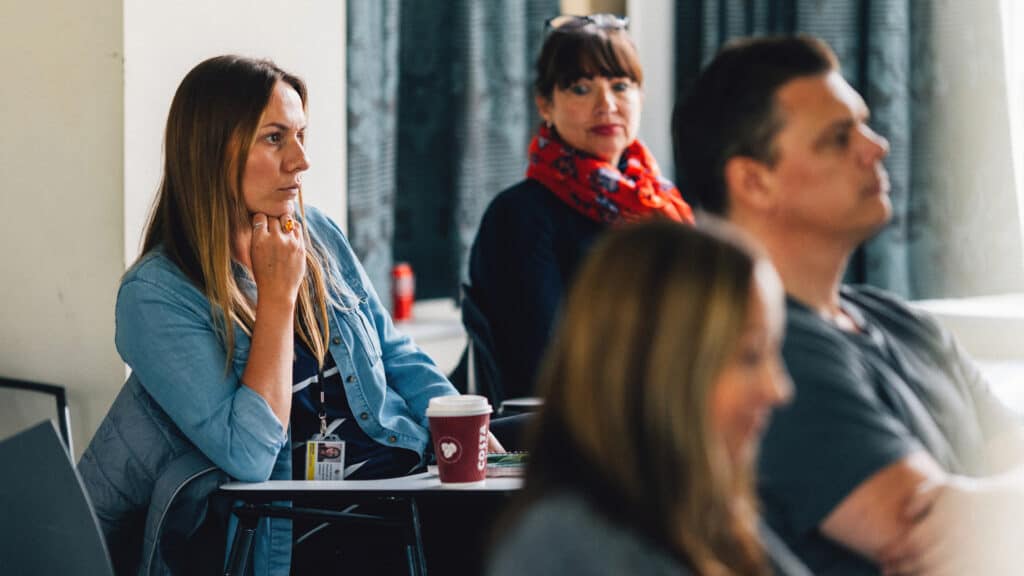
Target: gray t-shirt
pixel 562 534
pixel 863 401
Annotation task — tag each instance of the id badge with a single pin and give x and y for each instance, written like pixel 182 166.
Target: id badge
pixel 325 458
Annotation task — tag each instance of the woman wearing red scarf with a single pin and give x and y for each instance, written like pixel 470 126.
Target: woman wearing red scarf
pixel 587 172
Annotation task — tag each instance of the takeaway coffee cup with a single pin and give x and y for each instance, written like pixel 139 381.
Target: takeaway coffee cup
pixel 458 425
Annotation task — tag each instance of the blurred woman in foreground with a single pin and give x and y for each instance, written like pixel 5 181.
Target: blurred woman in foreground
pixel 662 375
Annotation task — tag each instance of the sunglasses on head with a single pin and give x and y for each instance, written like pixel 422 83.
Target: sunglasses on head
pixel 568 22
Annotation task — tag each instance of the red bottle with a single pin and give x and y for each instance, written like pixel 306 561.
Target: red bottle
pixel 403 290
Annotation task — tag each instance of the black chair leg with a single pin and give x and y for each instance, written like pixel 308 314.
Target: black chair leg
pixel 241 548
pixel 414 546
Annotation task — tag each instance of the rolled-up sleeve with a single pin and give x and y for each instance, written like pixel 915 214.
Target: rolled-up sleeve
pixel 169 341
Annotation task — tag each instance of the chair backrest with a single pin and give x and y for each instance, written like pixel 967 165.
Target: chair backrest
pixel 483 376
pixel 24 403
pixel 48 523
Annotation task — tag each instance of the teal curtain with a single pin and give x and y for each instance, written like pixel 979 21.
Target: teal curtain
pixel 440 113
pixel 372 101
pixel 932 74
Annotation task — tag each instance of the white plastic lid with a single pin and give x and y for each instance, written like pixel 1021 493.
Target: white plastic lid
pixel 464 405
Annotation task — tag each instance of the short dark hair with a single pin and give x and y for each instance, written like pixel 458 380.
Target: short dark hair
pixel 730 110
pixel 573 52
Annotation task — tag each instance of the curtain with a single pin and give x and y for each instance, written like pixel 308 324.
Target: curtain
pixel 440 112
pixel 372 100
pixel 932 74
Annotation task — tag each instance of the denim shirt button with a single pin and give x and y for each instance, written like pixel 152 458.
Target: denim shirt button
pixel 392 439
pixel 336 340
pixel 364 416
pixel 351 378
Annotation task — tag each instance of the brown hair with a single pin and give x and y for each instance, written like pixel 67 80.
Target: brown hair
pixel 199 207
pixel 572 52
pixel 650 321
pixel 730 110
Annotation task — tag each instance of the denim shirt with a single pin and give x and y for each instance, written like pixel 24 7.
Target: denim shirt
pixel 166 333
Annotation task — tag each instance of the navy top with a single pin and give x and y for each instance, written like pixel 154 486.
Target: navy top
pixel 364 458
pixel 863 401
pixel 526 252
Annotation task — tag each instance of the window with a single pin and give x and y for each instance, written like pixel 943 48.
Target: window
pixel 1013 20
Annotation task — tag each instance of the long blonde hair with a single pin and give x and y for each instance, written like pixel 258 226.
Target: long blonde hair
pixel 651 319
pixel 199 207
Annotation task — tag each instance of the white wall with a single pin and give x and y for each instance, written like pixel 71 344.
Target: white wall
pixel 652 26
pixel 61 241
pixel 1013 20
pixel 83 106
pixel 592 6
pixel 164 40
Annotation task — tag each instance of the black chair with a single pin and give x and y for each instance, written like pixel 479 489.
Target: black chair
pixel 477 372
pixel 481 367
pixel 25 402
pixel 48 525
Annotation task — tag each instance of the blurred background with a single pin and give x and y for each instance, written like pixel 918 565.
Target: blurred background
pixel 420 113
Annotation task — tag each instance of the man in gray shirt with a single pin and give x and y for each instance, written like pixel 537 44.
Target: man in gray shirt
pixel 894 455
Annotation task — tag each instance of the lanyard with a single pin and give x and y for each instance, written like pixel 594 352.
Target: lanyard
pixel 321 410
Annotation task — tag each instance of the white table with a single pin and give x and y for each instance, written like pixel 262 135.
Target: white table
pixel 326 500
pixel 416 483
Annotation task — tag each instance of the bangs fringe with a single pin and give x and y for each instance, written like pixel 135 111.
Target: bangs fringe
pixel 587 54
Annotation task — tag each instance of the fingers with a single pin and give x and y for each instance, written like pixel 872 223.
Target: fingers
pixel 922 500
pixel 273 226
pixel 903 555
pixel 493 445
pixel 902 558
pixel 287 224
pixel 895 553
pixel 276 256
pixel 922 549
pixel 259 224
pixel 931 561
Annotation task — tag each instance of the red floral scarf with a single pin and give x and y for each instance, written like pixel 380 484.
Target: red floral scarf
pixel 598 190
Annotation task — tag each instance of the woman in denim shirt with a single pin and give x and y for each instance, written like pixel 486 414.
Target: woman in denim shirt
pixel 245 304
